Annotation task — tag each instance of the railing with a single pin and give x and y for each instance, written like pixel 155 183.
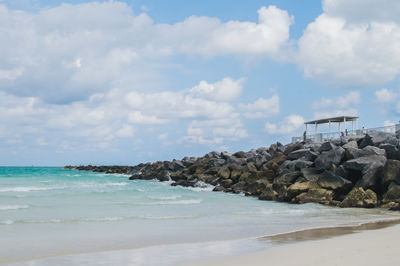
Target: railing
pixel 321 137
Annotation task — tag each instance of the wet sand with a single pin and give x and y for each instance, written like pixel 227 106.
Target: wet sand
pixel 367 244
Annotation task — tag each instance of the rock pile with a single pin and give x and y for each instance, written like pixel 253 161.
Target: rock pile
pixel 362 172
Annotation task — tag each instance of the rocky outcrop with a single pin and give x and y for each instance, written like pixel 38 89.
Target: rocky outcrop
pixel 361 173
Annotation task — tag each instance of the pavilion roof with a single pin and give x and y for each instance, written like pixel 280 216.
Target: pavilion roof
pixel 337 119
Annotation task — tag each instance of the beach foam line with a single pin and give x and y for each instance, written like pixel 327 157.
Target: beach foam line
pixel 13 207
pixel 28 189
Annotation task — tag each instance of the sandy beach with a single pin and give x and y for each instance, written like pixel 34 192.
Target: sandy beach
pixel 373 246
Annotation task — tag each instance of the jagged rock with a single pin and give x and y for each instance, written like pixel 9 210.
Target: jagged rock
pixel 213 154
pixel 224 172
pixel 300 187
pixel 358 197
pixel 398 133
pixel 391 172
pixel 258 187
pixel 328 180
pixel 260 160
pixel 219 188
pixel 327 159
pixel 369 168
pixel 353 153
pixel 276 160
pixel 365 141
pixel 251 167
pixel 214 162
pixel 312 146
pixel 392 194
pixel 341 171
pixel 268 194
pixel 351 144
pixel 282 194
pixel 185 183
pixel 287 179
pixel 240 154
pixel 319 195
pixel 379 137
pixel 310 174
pixel 292 147
pixel 392 152
pixel 226 183
pixel 306 154
pixel 300 164
pixel 326 146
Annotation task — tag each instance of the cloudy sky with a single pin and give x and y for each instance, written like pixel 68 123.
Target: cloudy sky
pixel 123 82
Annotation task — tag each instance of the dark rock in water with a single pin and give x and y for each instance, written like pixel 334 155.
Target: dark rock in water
pixel 360 198
pixel 268 194
pixel 328 180
pixel 310 174
pixel 258 187
pixel 185 183
pixel 226 183
pixel 391 172
pixel 219 188
pixel 326 146
pixel 328 159
pixel 287 179
pixel 300 187
pixel 282 194
pixel 392 152
pixel 318 195
pixel 392 194
pixel 306 154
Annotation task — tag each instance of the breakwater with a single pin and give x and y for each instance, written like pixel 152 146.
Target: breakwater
pixel 362 172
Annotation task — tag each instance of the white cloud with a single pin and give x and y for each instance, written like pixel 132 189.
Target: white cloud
pixel 363 11
pixel 339 106
pixel 385 96
pixel 226 89
pixel 107 46
pixel 126 131
pixel 342 50
pixel 289 125
pixel 215 131
pixel 261 107
pixel 387 123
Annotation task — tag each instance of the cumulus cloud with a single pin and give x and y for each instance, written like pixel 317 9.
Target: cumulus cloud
pixel 225 90
pixel 342 105
pixel 261 107
pixel 47 55
pixel 288 125
pixel 385 96
pixel 342 49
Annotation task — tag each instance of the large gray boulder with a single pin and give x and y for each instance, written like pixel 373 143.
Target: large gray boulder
pixel 366 141
pixel 318 195
pixel 353 153
pixel 327 159
pixel 310 174
pixel 370 168
pixel 392 152
pixel 326 146
pixel 300 187
pixel 392 194
pixel 391 172
pixel 351 144
pixel 328 180
pixel 379 137
pixel 287 179
pixel 306 154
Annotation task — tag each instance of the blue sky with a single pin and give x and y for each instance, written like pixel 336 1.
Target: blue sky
pixel 123 82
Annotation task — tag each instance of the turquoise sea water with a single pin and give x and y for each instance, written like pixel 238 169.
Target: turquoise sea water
pixel 54 216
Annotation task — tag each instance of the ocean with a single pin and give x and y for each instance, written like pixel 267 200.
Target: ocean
pixel 55 216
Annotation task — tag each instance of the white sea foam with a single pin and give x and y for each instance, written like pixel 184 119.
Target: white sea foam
pixel 176 202
pixel 13 207
pixel 103 219
pixel 6 222
pixel 28 189
pixel 173 197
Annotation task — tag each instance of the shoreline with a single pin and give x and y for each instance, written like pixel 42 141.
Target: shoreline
pixel 343 245
pixel 262 245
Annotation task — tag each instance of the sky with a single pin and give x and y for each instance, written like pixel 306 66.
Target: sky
pixel 124 82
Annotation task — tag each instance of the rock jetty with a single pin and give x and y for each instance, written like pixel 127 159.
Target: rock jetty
pixel 361 172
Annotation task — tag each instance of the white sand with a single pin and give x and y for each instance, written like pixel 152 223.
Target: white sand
pixel 371 247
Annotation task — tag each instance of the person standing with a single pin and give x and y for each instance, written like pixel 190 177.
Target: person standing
pixel 304 136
